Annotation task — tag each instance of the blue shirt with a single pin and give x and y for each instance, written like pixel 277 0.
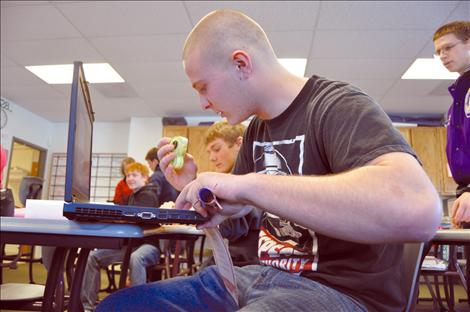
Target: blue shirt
pixel 458 130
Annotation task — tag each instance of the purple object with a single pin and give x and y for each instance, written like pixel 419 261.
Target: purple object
pixel 208 199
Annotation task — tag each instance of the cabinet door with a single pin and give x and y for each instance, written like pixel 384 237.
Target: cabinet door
pixel 171 131
pixel 427 144
pixel 449 185
pixel 406 132
pixel 197 148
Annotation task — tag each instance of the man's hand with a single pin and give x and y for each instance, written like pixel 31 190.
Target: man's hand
pixel 177 178
pixel 221 185
pixel 461 210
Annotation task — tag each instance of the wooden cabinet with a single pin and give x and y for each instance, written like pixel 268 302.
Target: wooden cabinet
pixel 430 144
pixel 196 147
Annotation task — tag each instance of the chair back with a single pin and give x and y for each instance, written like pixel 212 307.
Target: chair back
pixel 30 188
pixel 412 258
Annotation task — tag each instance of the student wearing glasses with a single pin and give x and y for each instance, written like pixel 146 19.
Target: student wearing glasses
pixel 452 45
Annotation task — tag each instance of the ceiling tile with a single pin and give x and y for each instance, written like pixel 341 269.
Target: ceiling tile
pixel 19 76
pixel 27 96
pixel 6 3
pixel 110 18
pixel 430 105
pixel 461 12
pixel 291 44
pixel 48 52
pixel 140 48
pixel 347 69
pixel 413 87
pixel 35 22
pixel 368 43
pixel 373 87
pixel 271 15
pixel 154 72
pixel 383 14
pixel 164 90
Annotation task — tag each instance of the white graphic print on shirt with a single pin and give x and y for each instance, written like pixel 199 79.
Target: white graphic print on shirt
pixel 282 243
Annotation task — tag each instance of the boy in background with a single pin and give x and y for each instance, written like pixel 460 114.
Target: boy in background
pixel 143 194
pixel 223 141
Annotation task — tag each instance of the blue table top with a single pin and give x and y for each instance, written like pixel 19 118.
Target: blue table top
pixel 68 227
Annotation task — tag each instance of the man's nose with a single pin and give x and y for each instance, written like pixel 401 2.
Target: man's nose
pixel 204 103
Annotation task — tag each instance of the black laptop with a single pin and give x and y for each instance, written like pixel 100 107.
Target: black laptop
pixel 78 172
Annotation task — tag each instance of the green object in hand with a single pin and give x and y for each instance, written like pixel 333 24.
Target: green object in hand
pixel 181 146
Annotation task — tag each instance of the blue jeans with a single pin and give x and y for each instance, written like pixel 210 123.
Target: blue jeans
pixel 261 288
pixel 142 257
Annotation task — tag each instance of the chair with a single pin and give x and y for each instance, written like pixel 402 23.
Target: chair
pixel 177 259
pixel 412 258
pixel 30 188
pixel 25 297
pixel 447 272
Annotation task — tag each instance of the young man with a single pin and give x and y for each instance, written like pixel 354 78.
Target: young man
pixel 341 191
pixel 223 142
pixel 165 192
pixel 143 194
pixel 452 44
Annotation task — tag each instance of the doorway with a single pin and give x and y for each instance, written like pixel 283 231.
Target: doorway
pixel 26 160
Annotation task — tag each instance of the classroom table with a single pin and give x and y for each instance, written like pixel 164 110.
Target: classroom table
pixel 453 238
pixel 66 234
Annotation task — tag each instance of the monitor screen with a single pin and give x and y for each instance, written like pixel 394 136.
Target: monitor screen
pixel 80 136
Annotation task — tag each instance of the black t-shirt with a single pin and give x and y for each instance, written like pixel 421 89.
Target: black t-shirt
pixel 330 127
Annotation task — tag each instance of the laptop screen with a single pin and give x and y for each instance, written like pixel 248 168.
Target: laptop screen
pixel 79 145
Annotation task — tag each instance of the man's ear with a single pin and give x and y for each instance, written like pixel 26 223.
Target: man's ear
pixel 242 63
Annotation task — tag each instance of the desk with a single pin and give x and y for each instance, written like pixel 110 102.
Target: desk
pixel 454 237
pixel 66 234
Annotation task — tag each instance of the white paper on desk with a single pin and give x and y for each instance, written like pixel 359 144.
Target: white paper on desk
pixel 223 261
pixel 44 209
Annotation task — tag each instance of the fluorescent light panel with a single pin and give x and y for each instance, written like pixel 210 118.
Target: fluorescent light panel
pixel 295 66
pixel 426 68
pixel 62 74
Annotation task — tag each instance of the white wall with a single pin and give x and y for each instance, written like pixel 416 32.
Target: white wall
pixel 144 133
pixel 28 127
pixel 108 137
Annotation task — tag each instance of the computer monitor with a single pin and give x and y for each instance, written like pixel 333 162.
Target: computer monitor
pixel 81 118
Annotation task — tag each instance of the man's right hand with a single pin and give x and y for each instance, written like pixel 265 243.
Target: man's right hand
pixel 177 178
pixel 461 210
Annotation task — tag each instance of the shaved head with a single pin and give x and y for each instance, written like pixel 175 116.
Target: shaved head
pixel 221 32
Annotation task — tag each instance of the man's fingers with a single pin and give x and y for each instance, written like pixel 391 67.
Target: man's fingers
pixel 163 141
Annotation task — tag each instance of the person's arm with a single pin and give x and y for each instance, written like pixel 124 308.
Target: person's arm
pixel 461 209
pixel 118 193
pixel 388 200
